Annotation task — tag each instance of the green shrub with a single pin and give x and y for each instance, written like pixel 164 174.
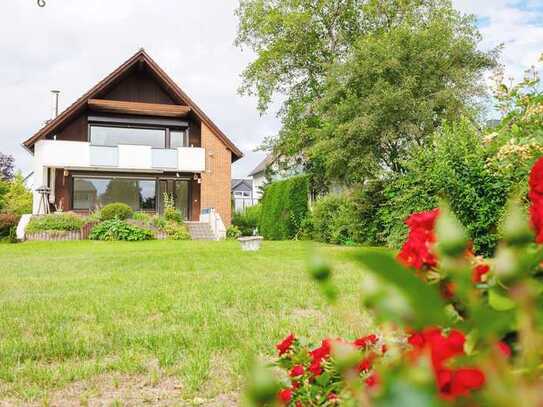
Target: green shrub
pixel 248 220
pixel 18 198
pixel 116 229
pixel 307 229
pixel 142 217
pixel 7 222
pixel 368 199
pixel 176 231
pixel 172 215
pixel 284 207
pixel 233 232
pixel 55 221
pixel 454 167
pixel 116 210
pixel 334 220
pixel 94 216
pixel 158 221
pixel 12 237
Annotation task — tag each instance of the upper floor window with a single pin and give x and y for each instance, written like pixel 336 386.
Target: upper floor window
pixel 113 136
pixel 179 138
pixel 154 137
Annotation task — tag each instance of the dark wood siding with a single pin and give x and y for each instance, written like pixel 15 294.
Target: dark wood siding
pixel 76 130
pixel 195 132
pixel 139 86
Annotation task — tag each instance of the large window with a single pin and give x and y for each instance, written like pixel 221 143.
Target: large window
pixel 91 193
pixel 113 136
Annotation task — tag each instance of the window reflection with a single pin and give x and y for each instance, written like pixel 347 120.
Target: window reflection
pixel 113 136
pixel 92 193
pixel 178 138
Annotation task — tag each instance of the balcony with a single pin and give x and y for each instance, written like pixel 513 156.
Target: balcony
pixel 84 156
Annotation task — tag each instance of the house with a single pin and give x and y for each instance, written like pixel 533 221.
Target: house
pixel 242 194
pixel 273 168
pixel 132 138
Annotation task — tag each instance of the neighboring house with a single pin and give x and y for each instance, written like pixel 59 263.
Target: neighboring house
pixel 133 137
pixel 242 194
pixel 274 168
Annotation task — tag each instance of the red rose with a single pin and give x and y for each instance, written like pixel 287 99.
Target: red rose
pixel 504 349
pixel 366 341
pixel 285 344
pixel 478 272
pixel 416 252
pixel 366 363
pixel 285 396
pixel 451 383
pixel 423 220
pixel 296 371
pixel 417 340
pixel 464 380
pixel 315 367
pixel 318 355
pixel 536 215
pixel 372 381
pixel 535 183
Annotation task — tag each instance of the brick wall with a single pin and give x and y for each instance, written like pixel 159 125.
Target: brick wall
pixel 215 187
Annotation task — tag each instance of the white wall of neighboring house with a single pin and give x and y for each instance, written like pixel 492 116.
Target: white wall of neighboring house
pixel 259 180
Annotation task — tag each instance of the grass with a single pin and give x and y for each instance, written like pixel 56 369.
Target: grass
pixel 194 311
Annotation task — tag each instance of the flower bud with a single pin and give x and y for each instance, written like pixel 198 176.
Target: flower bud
pixel 451 235
pixel 262 386
pixel 319 269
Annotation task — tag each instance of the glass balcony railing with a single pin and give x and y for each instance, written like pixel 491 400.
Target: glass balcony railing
pixel 164 158
pixel 72 154
pixel 102 156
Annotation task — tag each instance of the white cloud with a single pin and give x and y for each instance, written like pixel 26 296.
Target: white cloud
pixel 515 24
pixel 70 45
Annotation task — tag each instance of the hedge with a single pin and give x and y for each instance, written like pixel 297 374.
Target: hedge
pixel 284 207
pixel 248 220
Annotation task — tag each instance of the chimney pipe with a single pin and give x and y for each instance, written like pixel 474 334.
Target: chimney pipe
pixel 56 93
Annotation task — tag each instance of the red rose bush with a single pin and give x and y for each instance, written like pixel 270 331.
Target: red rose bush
pixel 461 330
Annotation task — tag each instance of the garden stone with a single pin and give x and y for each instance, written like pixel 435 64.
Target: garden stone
pixel 251 243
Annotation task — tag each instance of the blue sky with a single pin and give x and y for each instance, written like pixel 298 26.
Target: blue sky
pixel 72 45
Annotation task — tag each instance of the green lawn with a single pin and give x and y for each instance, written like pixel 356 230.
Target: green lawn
pixel 94 319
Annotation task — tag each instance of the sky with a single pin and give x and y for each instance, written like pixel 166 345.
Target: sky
pixel 72 44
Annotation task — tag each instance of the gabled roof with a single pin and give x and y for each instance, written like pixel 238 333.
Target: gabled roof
pixel 237 182
pixel 270 158
pixel 140 57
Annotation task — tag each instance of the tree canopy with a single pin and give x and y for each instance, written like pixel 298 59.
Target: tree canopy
pixel 362 80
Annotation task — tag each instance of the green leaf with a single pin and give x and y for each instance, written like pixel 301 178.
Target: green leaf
pixel 499 301
pixel 489 322
pixel 405 394
pixel 425 299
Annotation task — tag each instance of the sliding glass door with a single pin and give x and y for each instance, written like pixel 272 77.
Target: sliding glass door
pixel 179 191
